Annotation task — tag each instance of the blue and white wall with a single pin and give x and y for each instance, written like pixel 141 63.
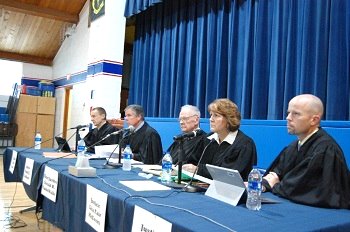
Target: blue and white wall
pixel 90 61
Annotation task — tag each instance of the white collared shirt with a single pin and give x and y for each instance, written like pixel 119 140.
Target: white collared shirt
pixel 139 126
pixel 230 138
pixel 300 143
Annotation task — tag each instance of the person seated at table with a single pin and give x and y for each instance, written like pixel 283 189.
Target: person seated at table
pixel 144 141
pixel 229 147
pixel 311 170
pixel 192 147
pixel 102 128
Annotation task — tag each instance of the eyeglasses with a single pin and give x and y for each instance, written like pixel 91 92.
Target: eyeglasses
pixel 185 119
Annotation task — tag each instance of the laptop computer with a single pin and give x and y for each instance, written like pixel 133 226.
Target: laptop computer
pixel 63 145
pixel 228 186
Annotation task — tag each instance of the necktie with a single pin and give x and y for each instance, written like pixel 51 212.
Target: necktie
pixel 299 145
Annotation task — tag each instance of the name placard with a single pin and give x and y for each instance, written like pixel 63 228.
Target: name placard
pixel 13 161
pixel 50 183
pixel 95 212
pixel 146 221
pixel 28 171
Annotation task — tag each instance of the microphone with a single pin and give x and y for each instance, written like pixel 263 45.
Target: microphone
pixel 189 187
pixel 131 129
pixel 80 126
pixel 186 135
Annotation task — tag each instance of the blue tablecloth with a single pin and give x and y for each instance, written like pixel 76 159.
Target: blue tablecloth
pixel 186 211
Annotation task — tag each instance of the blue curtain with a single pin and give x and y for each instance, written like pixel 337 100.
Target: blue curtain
pixel 133 7
pixel 257 53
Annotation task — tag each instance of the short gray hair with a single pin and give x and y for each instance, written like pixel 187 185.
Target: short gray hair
pixel 137 109
pixel 192 108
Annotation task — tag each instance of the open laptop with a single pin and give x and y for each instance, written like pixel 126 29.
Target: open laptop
pixel 63 145
pixel 228 186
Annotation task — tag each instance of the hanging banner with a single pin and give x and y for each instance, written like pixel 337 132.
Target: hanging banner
pixel 97 9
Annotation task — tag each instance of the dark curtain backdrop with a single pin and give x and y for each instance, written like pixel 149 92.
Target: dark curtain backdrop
pixel 257 53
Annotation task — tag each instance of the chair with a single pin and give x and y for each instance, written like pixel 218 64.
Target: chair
pixel 8 132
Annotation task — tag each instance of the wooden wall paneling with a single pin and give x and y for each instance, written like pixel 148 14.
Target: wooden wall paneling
pixel 26 129
pixel 45 125
pixel 27 104
pixel 46 105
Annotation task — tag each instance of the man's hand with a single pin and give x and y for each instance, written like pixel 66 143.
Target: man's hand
pixel 272 178
pixel 189 167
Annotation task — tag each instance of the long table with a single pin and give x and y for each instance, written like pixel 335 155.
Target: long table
pixel 186 211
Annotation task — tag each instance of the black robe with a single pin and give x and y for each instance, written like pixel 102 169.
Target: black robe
pixel 192 148
pixel 315 175
pixel 97 134
pixel 240 155
pixel 145 144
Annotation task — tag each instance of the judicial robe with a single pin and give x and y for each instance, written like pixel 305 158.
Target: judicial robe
pixel 192 148
pixel 145 144
pixel 97 134
pixel 315 175
pixel 240 155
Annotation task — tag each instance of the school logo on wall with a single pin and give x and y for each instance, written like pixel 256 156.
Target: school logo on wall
pixel 97 9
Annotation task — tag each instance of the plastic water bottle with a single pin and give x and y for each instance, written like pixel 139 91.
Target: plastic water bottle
pixel 37 141
pixel 127 153
pixel 254 189
pixel 81 147
pixel 167 163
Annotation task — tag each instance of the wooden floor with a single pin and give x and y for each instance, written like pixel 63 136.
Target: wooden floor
pixel 13 199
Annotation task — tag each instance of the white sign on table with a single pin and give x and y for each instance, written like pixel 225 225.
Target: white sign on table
pixel 147 221
pixel 50 183
pixel 13 161
pixel 95 212
pixel 28 171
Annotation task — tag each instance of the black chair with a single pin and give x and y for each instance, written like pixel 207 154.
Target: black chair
pixel 8 134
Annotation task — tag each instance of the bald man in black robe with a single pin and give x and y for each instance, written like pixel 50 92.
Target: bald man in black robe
pixel 311 170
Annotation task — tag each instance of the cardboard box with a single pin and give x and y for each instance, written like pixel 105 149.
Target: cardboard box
pixel 45 125
pixel 27 104
pixel 26 129
pixel 46 105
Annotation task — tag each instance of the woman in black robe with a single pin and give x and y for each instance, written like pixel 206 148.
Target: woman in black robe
pixel 227 147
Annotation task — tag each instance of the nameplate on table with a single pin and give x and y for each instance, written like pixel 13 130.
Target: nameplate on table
pixel 28 171
pixel 147 221
pixel 95 212
pixel 13 161
pixel 50 182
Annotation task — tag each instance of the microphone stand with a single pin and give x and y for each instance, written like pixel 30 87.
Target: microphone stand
pixel 178 185
pixel 189 187
pixel 77 138
pixel 108 165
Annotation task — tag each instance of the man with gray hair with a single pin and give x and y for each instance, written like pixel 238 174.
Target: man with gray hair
pixel 192 147
pixel 145 141
pixel 312 170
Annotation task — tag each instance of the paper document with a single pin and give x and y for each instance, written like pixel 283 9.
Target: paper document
pixel 116 160
pixel 144 185
pixel 104 151
pixel 58 155
pixel 196 177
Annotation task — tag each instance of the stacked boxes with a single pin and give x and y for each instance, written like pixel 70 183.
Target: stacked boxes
pixel 35 114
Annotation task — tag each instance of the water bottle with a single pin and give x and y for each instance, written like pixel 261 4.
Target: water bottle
pixel 37 141
pixel 127 153
pixel 254 189
pixel 167 163
pixel 81 147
